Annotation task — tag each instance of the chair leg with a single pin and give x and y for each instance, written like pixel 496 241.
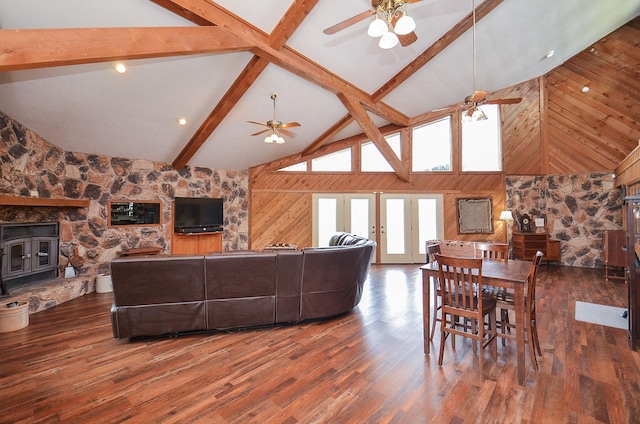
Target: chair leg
pixel 534 336
pixel 474 330
pixel 434 319
pixel 531 342
pixel 494 342
pixel 504 318
pixel 443 339
pixel 480 333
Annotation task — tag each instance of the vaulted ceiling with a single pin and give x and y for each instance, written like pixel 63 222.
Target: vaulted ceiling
pixel 217 65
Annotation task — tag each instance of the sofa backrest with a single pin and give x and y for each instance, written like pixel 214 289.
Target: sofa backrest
pixel 240 275
pixel 347 239
pixel 136 280
pixel 333 278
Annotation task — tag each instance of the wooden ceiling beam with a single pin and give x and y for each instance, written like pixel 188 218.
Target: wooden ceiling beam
pixel 240 86
pixel 180 11
pixel 287 25
pixel 369 127
pixel 442 43
pixel 290 22
pixel 286 57
pixel 327 135
pixel 431 52
pixel 41 48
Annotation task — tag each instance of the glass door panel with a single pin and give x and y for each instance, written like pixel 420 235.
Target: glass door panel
pixel 395 234
pixel 428 223
pixel 327 220
pixel 17 256
pixel 361 215
pixel 408 221
pixel 350 212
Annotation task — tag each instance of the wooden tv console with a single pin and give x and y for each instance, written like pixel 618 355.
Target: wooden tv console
pixel 194 243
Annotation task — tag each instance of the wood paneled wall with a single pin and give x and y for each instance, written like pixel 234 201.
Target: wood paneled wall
pixel 595 130
pixel 522 147
pixel 556 129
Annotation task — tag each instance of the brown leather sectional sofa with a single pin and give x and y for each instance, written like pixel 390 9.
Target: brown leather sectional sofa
pixel 167 295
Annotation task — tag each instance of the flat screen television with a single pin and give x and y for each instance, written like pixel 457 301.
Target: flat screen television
pixel 197 214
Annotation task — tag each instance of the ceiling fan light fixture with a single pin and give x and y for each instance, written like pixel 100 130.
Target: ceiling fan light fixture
pixel 389 40
pixel 279 140
pixel 474 114
pixel 377 28
pixel 405 25
pixel 268 139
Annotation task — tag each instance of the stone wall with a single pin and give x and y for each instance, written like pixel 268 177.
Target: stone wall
pixel 576 209
pixel 30 163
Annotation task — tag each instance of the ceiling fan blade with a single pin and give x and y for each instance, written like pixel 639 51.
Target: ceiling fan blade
pixel 476 97
pixel 289 125
pixel 258 123
pixel 348 22
pixel 287 133
pixel 408 39
pixel 260 132
pixel 479 96
pixel 504 101
pixel 405 39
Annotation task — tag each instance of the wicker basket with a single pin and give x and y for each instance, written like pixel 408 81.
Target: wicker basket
pixel 12 319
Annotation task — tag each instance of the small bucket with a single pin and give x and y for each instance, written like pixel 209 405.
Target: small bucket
pixel 103 284
pixel 14 318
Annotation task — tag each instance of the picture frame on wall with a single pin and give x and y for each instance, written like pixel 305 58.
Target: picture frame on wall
pixel 474 216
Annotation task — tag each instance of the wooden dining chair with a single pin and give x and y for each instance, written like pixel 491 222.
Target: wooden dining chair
pixel 432 251
pixel 491 250
pixel 459 283
pixel 506 302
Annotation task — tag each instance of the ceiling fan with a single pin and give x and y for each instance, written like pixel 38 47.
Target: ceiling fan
pixel 391 23
pixel 479 97
pixel 275 127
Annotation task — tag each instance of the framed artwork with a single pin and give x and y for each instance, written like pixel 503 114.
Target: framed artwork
pixel 474 216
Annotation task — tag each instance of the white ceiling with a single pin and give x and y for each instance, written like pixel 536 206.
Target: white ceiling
pixel 92 109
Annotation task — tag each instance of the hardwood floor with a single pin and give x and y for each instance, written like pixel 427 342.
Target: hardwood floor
pixel 365 367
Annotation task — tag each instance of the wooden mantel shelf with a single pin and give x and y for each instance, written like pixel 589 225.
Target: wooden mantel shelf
pixel 40 201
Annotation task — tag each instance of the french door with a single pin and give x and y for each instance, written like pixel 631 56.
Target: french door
pixel 352 212
pixel 406 221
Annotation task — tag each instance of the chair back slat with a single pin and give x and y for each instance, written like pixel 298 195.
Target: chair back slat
pixel 460 280
pixel 492 250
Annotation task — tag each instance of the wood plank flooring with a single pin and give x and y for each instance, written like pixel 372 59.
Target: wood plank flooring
pixel 365 367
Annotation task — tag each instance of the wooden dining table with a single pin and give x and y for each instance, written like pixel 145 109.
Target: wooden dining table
pixel 511 274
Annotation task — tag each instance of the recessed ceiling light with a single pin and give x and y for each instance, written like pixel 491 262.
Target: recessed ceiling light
pixel 585 89
pixel 121 68
pixel 182 121
pixel 550 53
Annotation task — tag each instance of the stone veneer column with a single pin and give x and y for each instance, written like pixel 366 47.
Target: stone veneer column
pixel 577 209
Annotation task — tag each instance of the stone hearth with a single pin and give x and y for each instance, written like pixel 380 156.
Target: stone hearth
pixel 47 294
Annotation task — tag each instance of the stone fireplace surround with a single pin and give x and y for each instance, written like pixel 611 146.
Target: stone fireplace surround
pixel 31 165
pixel 51 292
